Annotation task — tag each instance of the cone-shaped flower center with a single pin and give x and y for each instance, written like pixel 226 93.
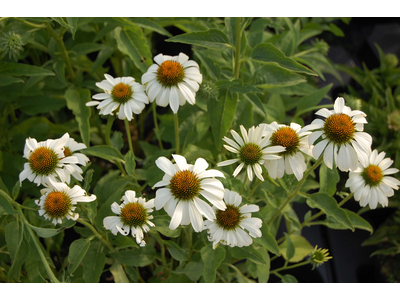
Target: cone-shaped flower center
pixel 250 153
pixel 43 161
pixel 170 73
pixel 372 175
pixel 121 93
pixel 286 137
pixel 229 218
pixel 133 214
pixel 319 256
pixel 339 128
pixel 67 152
pixel 184 185
pixel 57 204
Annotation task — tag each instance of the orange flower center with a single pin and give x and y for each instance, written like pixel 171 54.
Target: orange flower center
pixel 228 219
pixel 133 214
pixel 43 161
pixel 121 93
pixel 372 175
pixel 286 137
pixel 170 73
pixel 184 185
pixel 339 128
pixel 57 204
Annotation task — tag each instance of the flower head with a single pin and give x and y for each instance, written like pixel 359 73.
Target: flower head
pixel 172 80
pixel 252 151
pixel 295 142
pixel 134 215
pixel 184 183
pixel 123 94
pixel 370 182
pixel 58 201
pixel 343 141
pixel 46 161
pixel 228 227
pixel 11 43
pixel 318 256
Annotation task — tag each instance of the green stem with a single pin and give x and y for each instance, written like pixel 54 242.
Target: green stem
pixel 154 106
pixel 105 242
pixel 176 126
pixel 292 195
pixel 244 183
pixel 237 48
pixel 254 189
pixel 291 266
pixel 63 49
pixel 162 246
pixel 128 135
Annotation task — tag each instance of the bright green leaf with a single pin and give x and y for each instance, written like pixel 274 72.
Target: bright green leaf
pixel 328 179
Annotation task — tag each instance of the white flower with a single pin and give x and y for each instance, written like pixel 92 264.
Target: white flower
pixel 370 183
pixel 133 216
pixel 343 141
pixel 172 80
pixel 46 161
pixel 70 149
pixel 121 93
pixel 252 151
pixel 184 184
pixel 228 226
pixel 294 141
pixel 58 201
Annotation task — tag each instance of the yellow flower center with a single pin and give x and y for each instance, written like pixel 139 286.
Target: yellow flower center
pixel 184 185
pixel 170 73
pixel 229 218
pixel 286 137
pixel 372 175
pixel 121 93
pixel 43 161
pixel 57 204
pixel 250 153
pixel 339 128
pixel 133 214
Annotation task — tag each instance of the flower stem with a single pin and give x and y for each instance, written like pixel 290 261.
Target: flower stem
pixel 105 242
pixel 291 266
pixel 176 126
pixel 244 183
pixel 292 195
pixel 154 106
pixel 128 135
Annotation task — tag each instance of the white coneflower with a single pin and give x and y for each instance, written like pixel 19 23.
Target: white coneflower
pixel 184 183
pixel 343 140
pixel 228 227
pixel 70 149
pixel 58 201
pixel 172 80
pixel 134 215
pixel 46 161
pixel 295 142
pixel 370 183
pixel 123 94
pixel 252 151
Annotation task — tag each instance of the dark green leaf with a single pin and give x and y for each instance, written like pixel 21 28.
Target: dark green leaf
pixel 130 163
pixel 77 251
pixel 237 86
pixel 328 179
pixel 247 253
pixel 102 57
pixel 271 75
pixel 193 270
pixel 149 24
pixel 73 22
pixel 61 21
pixel 35 105
pixel 213 39
pixel 15 190
pixel 267 240
pixel 18 69
pixel 105 152
pixel 212 68
pixel 176 252
pixel 93 264
pixel 5 202
pixel 162 226
pixel 117 141
pixel 6 80
pixel 212 259
pixel 268 53
pixel 392 251
pixel 44 232
pixel 136 257
pixel 357 221
pixel 307 102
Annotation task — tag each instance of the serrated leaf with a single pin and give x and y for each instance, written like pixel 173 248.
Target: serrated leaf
pixel 176 252
pixel 271 75
pixel 18 69
pixel 329 205
pixel 76 101
pixel 298 248
pixel 104 151
pixel 268 53
pixel 212 260
pixel 77 251
pixel 213 39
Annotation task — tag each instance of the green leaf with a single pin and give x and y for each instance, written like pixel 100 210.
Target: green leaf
pixel 193 270
pixel 357 221
pixel 247 253
pixel 44 232
pixel 212 260
pixel 263 270
pixel 102 57
pixel 118 273
pixel 61 21
pixel 162 226
pixel 176 252
pixel 308 102
pixel 130 163
pixel 76 101
pixel 15 190
pixel 34 105
pixel 77 251
pixel 136 257
pixel 221 113
pixel 392 251
pixel 117 141
pixel 7 80
pixel 237 86
pixel 268 53
pixel 267 240
pixel 105 152
pixel 132 42
pixel 5 202
pixel 150 24
pixel 335 30
pixel 18 69
pixel 289 279
pixel 328 179
pixel 213 39
pixel 271 75
pixel 296 249
pixel 73 22
pixel 329 205
pixel 93 264
pixel 17 248
pixel 212 68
